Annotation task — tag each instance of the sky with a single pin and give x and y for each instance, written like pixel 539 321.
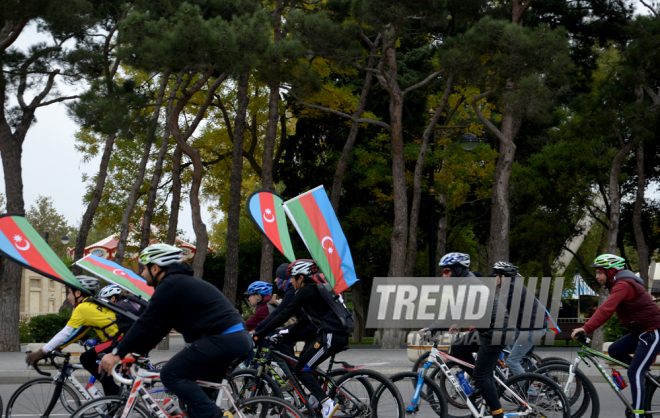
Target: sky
pixel 52 167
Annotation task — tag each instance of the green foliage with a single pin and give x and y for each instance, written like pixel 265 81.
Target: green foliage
pixel 43 327
pixel 614 329
pixel 24 330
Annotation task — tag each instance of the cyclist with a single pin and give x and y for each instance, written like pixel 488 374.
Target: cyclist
pixel 258 294
pixel 200 312
pixel 503 269
pixel 458 265
pixel 86 314
pixel 637 312
pixel 331 337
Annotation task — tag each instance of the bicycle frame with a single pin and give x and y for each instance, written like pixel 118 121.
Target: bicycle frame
pixel 589 355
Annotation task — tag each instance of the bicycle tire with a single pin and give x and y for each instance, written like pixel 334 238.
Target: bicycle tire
pixel 550 401
pixel 39 399
pixel 90 409
pixel 454 400
pixel 430 394
pixel 240 389
pixel 358 385
pixel 582 383
pixel 651 389
pixel 385 402
pixel 337 373
pixel 548 360
pixel 276 407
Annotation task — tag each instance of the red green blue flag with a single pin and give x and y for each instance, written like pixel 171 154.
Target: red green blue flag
pixel 316 222
pixel 114 273
pixel 266 211
pixel 22 244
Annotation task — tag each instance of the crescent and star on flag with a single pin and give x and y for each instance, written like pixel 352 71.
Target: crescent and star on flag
pixel 17 240
pixel 267 212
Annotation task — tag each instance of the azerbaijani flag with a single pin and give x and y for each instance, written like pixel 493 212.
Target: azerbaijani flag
pixel 22 244
pixel 266 211
pixel 552 325
pixel 114 273
pixel 317 224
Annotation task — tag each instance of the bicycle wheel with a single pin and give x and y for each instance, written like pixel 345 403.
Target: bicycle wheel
pixel 265 406
pixel 652 391
pixel 431 400
pixel 244 384
pixel 455 402
pixel 109 407
pixel 386 401
pixel 359 386
pixel 548 360
pixel 33 398
pixel 531 390
pixel 582 395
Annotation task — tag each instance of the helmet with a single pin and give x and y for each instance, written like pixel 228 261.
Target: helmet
pixel 89 283
pixel 111 290
pixel 161 255
pixel 504 268
pixel 452 259
pixel 259 288
pixel 609 261
pixel 303 266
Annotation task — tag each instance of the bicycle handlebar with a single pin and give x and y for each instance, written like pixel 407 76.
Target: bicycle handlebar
pixel 120 379
pixel 582 337
pixel 50 356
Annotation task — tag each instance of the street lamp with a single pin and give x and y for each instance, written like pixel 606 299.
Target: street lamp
pixel 469 141
pixel 64 240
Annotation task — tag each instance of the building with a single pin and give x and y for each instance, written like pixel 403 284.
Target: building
pixel 40 295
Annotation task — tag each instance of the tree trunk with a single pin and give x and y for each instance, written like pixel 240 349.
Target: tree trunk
pixel 236 178
pixel 133 195
pixel 399 237
pixel 176 197
pixel 441 246
pixel 88 217
pixel 358 312
pixel 640 240
pixel 417 182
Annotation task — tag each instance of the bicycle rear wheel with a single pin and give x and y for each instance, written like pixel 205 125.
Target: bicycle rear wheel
pixel 264 406
pixel 351 393
pixel 431 400
pixel 532 392
pixel 33 398
pixel 109 407
pixel 582 395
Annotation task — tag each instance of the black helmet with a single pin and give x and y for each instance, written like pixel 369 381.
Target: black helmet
pixel 504 268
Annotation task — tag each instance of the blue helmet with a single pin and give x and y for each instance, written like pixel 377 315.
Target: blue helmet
pixel 452 259
pixel 259 288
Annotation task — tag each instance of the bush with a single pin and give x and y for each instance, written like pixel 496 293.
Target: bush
pixel 23 331
pixel 614 329
pixel 43 327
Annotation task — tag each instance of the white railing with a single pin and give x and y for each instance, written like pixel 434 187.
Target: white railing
pixel 573 320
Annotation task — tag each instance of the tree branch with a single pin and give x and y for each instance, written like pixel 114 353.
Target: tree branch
pixel 422 83
pixel 10 32
pixel 523 10
pixel 59 99
pixel 342 114
pixel 651 9
pixel 485 121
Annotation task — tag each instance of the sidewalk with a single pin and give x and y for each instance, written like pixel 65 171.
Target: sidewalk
pixel 13 369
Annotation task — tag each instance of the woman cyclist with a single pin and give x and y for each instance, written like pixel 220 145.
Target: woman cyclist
pixel 258 295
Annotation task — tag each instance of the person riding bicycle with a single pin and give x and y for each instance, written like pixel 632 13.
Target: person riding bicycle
pixel 637 312
pixel 331 337
pixel 258 295
pixel 86 314
pixel 207 320
pixel 519 349
pixel 458 265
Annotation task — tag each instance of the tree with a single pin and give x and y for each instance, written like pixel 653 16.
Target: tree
pixel 44 218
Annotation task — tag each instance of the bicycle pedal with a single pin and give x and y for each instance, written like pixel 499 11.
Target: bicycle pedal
pixel 228 414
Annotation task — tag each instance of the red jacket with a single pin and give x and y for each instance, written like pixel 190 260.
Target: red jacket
pixel 632 303
pixel 259 315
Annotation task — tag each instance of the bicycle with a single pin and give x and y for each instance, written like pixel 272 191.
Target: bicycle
pixel 589 355
pixel 53 396
pixel 527 394
pixel 352 390
pixel 130 404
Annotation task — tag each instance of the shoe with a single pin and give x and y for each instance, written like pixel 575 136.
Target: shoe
pixel 313 402
pixel 329 408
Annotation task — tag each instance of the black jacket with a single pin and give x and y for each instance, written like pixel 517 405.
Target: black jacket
pixel 191 306
pixel 288 297
pixel 537 308
pixel 316 309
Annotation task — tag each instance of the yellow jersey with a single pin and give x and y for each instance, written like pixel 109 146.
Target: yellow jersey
pixel 90 315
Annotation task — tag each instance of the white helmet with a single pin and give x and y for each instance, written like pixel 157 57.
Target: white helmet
pixel 303 266
pixel 161 254
pixel 90 283
pixel 111 290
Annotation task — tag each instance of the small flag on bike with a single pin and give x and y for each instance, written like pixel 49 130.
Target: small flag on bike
pixel 317 224
pixel 22 244
pixel 114 273
pixel 266 211
pixel 552 325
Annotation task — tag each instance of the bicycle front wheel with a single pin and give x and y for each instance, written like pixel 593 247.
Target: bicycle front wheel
pixel 581 394
pixel 534 394
pixel 264 406
pixel 386 401
pixel 32 399
pixel 109 407
pixel 431 401
pixel 245 384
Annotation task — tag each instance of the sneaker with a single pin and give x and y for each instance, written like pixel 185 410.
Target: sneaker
pixel 313 402
pixel 329 408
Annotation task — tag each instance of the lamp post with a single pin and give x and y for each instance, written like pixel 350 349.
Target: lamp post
pixel 64 240
pixel 469 141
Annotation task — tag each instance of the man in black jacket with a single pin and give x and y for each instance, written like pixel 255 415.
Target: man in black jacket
pixel 201 313
pixel 331 337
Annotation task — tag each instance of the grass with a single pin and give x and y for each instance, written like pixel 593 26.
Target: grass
pixel 365 341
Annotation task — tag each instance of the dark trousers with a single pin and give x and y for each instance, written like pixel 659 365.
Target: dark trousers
pixel 205 359
pixel 315 354
pixel 88 360
pixel 308 334
pixel 645 348
pixel 484 367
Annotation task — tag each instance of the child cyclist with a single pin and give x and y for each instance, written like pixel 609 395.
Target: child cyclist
pixel 86 314
pixel 638 313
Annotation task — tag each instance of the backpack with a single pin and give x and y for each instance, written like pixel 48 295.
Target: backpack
pixel 124 323
pixel 123 316
pixel 336 303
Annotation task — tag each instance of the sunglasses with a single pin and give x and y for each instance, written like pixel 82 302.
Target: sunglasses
pixel 447 271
